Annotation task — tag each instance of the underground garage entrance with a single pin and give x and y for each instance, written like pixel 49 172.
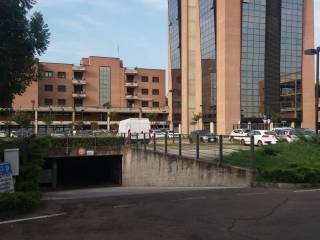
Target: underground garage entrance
pixel 85 171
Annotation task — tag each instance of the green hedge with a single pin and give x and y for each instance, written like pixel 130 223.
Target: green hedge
pixel 297 162
pixel 87 141
pixel 19 202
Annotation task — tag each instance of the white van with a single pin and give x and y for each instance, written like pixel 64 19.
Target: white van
pixel 137 127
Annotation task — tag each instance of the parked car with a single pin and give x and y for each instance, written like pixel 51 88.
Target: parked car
pixel 285 134
pixel 84 133
pixel 21 133
pixel 204 136
pixel 237 134
pixel 3 134
pixel 158 133
pixel 172 134
pixel 261 137
pixel 304 132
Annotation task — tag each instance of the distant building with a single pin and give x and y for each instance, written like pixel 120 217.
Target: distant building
pixel 236 61
pixel 88 92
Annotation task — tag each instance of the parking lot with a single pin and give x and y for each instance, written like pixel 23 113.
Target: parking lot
pixel 186 214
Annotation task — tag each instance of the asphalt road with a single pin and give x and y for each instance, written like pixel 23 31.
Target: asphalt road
pixel 174 214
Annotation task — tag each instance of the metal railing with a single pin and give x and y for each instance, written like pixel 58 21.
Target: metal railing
pixel 212 149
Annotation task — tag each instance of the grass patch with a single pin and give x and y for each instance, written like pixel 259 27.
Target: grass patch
pixel 297 162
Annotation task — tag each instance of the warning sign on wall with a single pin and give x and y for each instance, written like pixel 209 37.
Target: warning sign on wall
pixel 6 179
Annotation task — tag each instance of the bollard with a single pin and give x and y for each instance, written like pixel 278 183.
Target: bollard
pixel 144 142
pixel 129 136
pixel 220 149
pixel 67 153
pixel 251 157
pixel 137 140
pixel 198 147
pixel 166 143
pixel 180 149
pixel 154 143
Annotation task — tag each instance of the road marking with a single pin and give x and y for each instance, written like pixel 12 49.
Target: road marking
pixel 310 190
pixel 32 218
pixel 252 194
pixel 124 206
pixel 189 199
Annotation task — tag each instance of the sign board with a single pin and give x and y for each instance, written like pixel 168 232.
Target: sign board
pixel 12 156
pixel 90 153
pixel 6 180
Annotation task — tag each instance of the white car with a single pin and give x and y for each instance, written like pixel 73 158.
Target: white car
pixel 237 134
pixel 158 134
pixel 261 138
pixel 3 134
pixel 172 134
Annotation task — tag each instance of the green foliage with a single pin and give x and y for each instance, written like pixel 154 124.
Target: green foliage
pixel 297 162
pixel 21 119
pixel 276 118
pixel 22 37
pixel 47 119
pixel 19 202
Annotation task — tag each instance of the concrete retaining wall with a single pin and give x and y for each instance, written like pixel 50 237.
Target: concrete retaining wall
pixel 146 168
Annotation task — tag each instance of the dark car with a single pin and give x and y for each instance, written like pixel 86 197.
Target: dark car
pixel 204 136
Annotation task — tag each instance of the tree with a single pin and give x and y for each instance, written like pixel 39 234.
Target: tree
pixel 276 118
pixel 196 118
pixel 22 119
pixel 48 120
pixel 21 39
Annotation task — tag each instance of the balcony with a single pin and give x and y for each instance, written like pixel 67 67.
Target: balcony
pixel 79 82
pixel 131 71
pixel 132 97
pixel 78 69
pixel 131 84
pixel 79 95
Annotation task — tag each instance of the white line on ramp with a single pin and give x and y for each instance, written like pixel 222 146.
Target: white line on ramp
pixel 32 218
pixel 309 190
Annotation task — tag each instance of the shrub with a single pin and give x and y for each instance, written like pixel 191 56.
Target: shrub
pixel 297 162
pixel 19 201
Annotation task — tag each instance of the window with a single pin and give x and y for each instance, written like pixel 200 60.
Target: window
pixel 48 74
pixel 155 79
pixel 48 101
pixel 155 92
pixel 48 88
pixel 145 79
pixel 145 104
pixel 62 75
pixel 78 102
pixel 144 91
pixel 155 104
pixel 105 85
pixel 61 102
pixel 61 88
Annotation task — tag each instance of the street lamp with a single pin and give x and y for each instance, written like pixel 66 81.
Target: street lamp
pixel 172 107
pixel 316 52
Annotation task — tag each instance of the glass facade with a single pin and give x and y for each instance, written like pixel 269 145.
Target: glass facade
pixel 291 58
pixel 253 58
pixel 208 60
pixel 105 85
pixel 175 46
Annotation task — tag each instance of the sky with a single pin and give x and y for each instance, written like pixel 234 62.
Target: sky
pixel 134 30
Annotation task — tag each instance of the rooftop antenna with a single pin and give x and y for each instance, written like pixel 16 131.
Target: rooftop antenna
pixel 118 49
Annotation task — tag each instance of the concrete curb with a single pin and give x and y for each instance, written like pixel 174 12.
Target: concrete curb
pixel 284 185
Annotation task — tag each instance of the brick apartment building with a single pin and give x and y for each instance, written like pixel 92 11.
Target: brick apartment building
pixel 100 90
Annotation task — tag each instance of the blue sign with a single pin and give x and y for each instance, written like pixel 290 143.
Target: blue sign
pixel 265 117
pixel 5 169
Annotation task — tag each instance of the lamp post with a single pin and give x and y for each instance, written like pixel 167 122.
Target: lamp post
pixel 172 107
pixel 316 52
pixel 33 102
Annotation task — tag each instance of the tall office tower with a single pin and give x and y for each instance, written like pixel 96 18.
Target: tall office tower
pixel 236 61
